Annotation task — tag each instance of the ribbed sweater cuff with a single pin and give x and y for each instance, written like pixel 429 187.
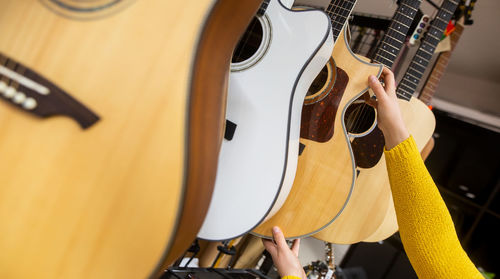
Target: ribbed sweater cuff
pixel 404 149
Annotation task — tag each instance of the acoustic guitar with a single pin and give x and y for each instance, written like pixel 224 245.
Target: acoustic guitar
pixel 326 170
pixel 367 206
pixel 118 194
pixel 274 64
pixel 419 119
pixel 389 226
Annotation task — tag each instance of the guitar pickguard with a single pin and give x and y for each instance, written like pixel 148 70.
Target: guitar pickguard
pixel 30 92
pixel 318 118
pixel 368 149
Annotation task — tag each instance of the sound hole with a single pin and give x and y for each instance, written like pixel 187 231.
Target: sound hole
pixel 318 82
pixel 86 9
pixel 360 117
pixel 249 42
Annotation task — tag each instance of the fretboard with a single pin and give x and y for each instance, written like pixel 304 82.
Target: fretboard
pixel 420 61
pixel 339 11
pixel 394 38
pixel 440 67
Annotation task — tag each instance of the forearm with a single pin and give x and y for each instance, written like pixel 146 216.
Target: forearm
pixel 425 225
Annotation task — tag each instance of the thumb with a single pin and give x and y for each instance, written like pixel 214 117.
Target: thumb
pixel 295 246
pixel 375 85
pixel 279 238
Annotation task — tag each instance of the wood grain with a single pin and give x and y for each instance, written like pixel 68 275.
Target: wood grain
pixel 371 198
pixel 389 225
pixel 207 116
pixel 325 172
pixel 104 202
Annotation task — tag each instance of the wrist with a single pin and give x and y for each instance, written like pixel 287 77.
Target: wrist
pixel 393 137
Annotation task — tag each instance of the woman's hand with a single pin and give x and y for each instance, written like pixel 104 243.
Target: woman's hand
pixel 285 259
pixel 389 117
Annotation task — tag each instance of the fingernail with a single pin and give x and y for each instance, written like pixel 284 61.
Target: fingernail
pixel 373 78
pixel 276 229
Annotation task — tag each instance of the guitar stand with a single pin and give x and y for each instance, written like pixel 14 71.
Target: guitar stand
pixel 212 273
pixel 194 248
pixel 225 249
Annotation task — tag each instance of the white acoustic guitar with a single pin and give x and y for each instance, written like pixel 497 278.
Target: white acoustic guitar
pixel 273 66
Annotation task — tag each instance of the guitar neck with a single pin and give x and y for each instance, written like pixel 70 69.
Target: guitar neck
pixel 395 36
pixel 339 11
pixel 420 61
pixel 440 67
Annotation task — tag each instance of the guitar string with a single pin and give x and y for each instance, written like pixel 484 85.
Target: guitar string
pixel 366 112
pixel 249 30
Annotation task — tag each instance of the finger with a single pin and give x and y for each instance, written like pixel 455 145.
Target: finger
pixel 295 246
pixel 390 83
pixel 372 103
pixel 279 238
pixel 270 247
pixel 377 87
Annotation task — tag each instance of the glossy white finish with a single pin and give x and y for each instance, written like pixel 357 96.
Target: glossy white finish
pixel 265 101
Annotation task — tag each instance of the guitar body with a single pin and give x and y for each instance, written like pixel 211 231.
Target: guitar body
pixel 371 199
pixel 266 93
pixel 326 170
pixel 110 200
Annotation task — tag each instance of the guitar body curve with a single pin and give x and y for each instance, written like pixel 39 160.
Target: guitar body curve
pixel 107 201
pixel 326 171
pixel 257 166
pixel 370 210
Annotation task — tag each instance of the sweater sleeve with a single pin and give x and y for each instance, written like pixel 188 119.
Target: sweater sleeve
pixel 425 225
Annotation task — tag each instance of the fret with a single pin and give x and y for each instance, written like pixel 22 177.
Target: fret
pixel 410 7
pixel 392 54
pixel 433 35
pixel 403 17
pixel 415 73
pixel 430 47
pixel 412 76
pixel 423 56
pixel 413 82
pixel 447 11
pixel 339 12
pixel 399 24
pixel 387 61
pixel 389 37
pixel 430 53
pixel 403 94
pixel 420 62
pixel 406 88
pixel 442 20
pixel 384 46
pixel 419 69
pixel 426 50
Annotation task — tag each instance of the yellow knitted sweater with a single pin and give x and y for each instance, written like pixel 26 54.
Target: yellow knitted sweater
pixel 425 225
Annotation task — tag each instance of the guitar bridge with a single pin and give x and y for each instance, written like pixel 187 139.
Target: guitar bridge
pixel 30 92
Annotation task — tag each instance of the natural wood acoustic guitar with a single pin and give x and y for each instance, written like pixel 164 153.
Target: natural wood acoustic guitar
pixel 368 203
pixel 124 191
pixel 389 225
pixel 419 121
pixel 326 170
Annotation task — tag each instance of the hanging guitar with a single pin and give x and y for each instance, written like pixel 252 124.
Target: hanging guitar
pixel 326 171
pixel 369 201
pixel 113 195
pixel 274 64
pixel 463 13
